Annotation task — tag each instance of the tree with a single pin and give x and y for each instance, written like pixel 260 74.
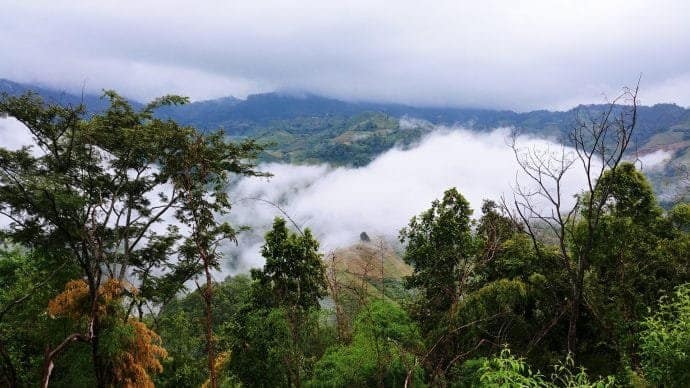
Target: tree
pixel 506 370
pixel 93 192
pixel 28 280
pixel 287 292
pixel 204 168
pixel 665 341
pixel 132 349
pixel 185 339
pixel 440 247
pixel 630 268
pixel 600 140
pixel 494 229
pixel 381 353
pixel 294 275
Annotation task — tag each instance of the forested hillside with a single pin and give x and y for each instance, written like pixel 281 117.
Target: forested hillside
pixel 327 194
pixel 312 129
pixel 112 238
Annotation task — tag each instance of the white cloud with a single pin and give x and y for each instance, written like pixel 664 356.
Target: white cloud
pixel 534 54
pixel 654 160
pixel 673 89
pixel 13 134
pixel 339 203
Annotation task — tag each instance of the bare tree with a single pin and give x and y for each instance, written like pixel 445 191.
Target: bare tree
pixel 335 286
pixel 598 140
pixel 381 248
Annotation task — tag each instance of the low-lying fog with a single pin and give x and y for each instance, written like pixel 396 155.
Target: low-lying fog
pixel 337 204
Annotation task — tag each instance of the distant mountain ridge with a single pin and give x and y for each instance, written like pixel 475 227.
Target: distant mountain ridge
pixel 50 95
pixel 310 128
pixel 262 109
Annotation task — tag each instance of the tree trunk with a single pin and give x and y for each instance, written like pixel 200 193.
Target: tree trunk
pixel 94 329
pixel 48 364
pixel 99 368
pixel 208 299
pixel 576 301
pixel 294 318
pixel 572 323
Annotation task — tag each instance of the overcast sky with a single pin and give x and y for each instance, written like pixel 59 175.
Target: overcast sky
pixel 500 54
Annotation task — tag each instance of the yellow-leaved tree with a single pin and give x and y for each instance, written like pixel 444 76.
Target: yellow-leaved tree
pixel 135 349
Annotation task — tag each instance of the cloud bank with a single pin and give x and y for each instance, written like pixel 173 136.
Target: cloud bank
pixel 13 134
pixel 535 54
pixel 380 198
pixel 654 160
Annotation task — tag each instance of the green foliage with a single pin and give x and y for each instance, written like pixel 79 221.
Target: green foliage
pixel 632 265
pixel 283 330
pixel 261 349
pixel 82 204
pixel 28 280
pixel 566 374
pixel 680 216
pixel 91 191
pixel 185 343
pixel 440 247
pixel 338 140
pixel 507 370
pixel 665 341
pixel 293 275
pixel 202 170
pixel 184 338
pixel 269 349
pixel 381 352
pixel 632 194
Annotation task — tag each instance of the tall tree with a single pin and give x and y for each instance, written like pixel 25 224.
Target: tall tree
pixel 600 140
pixel 204 168
pixel 441 248
pixel 291 284
pixel 630 265
pixel 294 275
pixel 93 191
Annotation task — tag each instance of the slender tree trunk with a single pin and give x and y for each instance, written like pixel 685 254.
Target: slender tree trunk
pixel 334 286
pixel 298 378
pixel 576 296
pixel 94 331
pixel 576 301
pixel 295 361
pixel 50 355
pixel 104 375
pixel 48 366
pixel 101 373
pixel 572 323
pixel 208 299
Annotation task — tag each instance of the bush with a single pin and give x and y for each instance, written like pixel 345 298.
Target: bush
pixel 665 341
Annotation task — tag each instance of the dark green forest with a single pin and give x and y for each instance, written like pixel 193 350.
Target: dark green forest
pixel 106 266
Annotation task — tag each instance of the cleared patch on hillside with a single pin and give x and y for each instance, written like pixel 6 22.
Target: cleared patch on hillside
pixel 368 269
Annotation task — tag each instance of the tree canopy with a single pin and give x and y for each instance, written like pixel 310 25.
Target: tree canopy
pixel 114 237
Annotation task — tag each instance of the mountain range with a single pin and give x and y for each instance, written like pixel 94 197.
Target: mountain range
pixel 311 129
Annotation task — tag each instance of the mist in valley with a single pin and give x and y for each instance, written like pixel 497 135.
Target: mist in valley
pixel 338 203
